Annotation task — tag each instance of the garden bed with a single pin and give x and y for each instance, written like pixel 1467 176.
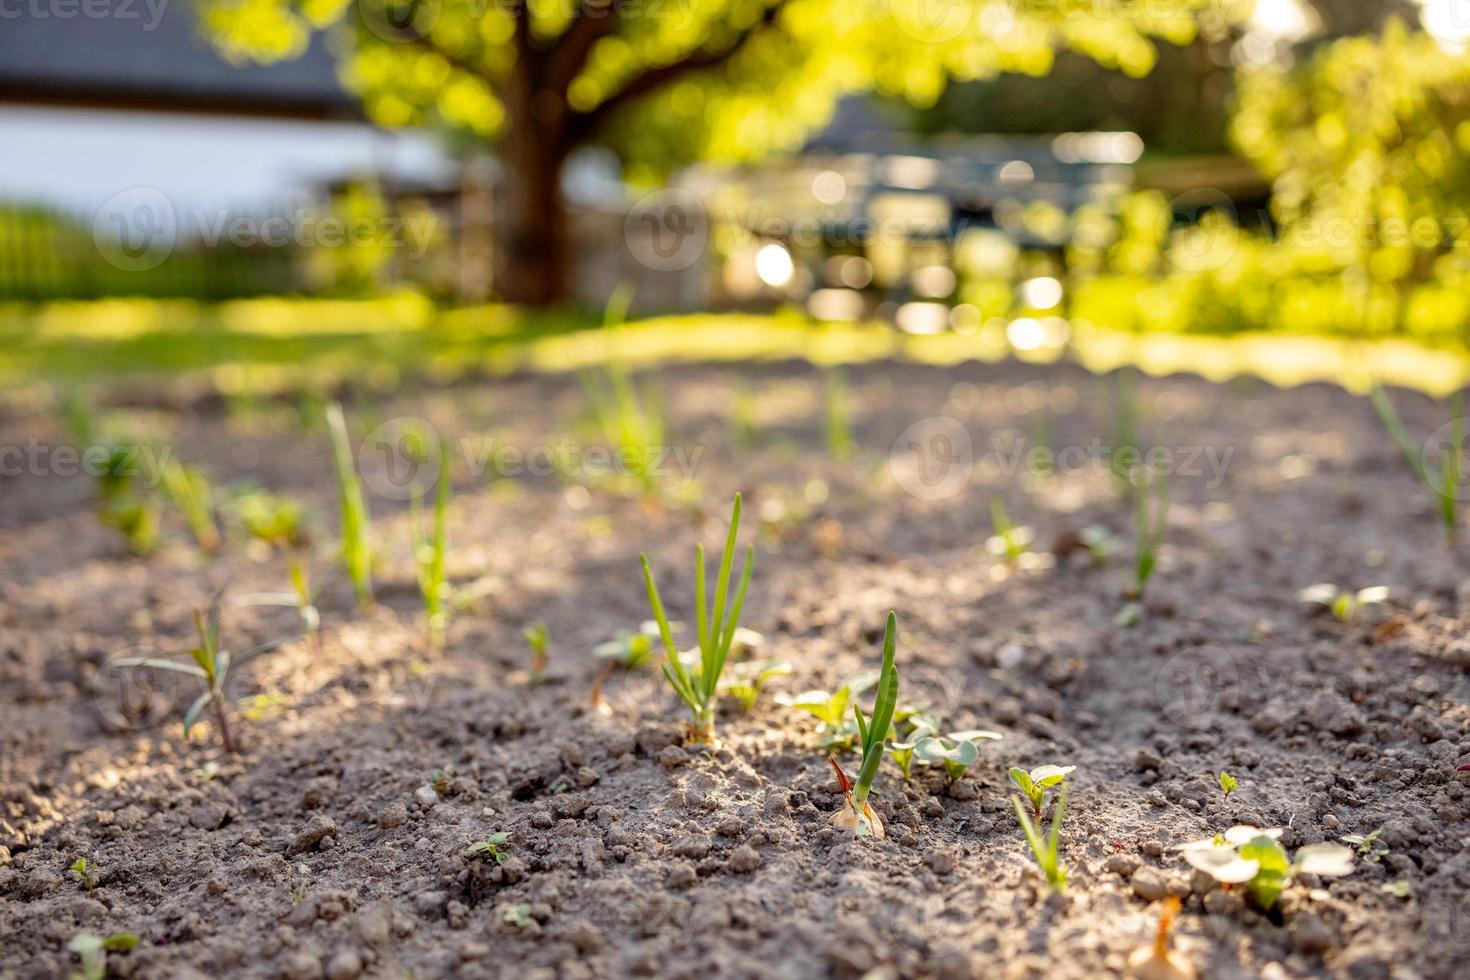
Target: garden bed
pixel 335 844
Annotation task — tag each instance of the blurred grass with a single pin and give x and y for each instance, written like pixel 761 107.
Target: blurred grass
pixel 280 345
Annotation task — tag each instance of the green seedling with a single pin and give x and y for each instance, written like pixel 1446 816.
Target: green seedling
pixel 91 952
pixel 212 666
pixel 1343 605
pixel 1149 530
pixel 1252 857
pixel 958 751
pixel 1227 783
pixel 1100 542
pixel 1009 542
pixel 1046 852
pixel 82 868
pixel 1035 783
pixel 1442 478
pixel 192 496
pixel 838 427
pixel 280 525
pixel 698 688
pixel 856 813
pixel 517 915
pixel 837 727
pixel 136 518
pixel 536 637
pixel 921 725
pixel 357 554
pixel 493 848
pixel 1369 847
pixel 748 678
pixel 629 649
pixel 430 550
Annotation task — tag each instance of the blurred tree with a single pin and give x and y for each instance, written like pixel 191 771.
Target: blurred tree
pixel 663 82
pixel 1368 145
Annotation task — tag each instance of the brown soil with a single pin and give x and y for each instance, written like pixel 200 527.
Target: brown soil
pixel 326 849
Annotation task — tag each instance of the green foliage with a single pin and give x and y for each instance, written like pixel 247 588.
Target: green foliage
pixel 1046 852
pixel 518 915
pixel 91 952
pixel 699 685
pixel 836 724
pixel 280 524
pixel 190 492
pixel 1369 847
pixel 744 427
pixel 136 518
pixel 1343 605
pixel 1035 783
pixel 1251 856
pixel 713 80
pixel 1442 477
pixel 957 751
pixel 356 553
pixel 430 550
pixel 493 848
pixel 1226 782
pixel 1009 542
pixel 211 665
pixel 1151 524
pixel 837 429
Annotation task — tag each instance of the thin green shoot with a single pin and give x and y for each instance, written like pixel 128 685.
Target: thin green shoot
pixel 1151 526
pixel 280 524
pixel 744 427
pixel 1009 542
pixel 715 629
pixel 747 679
pixel 631 418
pixel 1046 852
pixel 856 812
pixel 193 498
pixel 430 550
pixel 537 638
pixel 211 665
pixel 1227 783
pixel 838 425
pixel 493 848
pixel 356 553
pixel 1125 429
pixel 136 518
pixel 1442 477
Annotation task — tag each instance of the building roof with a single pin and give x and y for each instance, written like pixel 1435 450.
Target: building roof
pixel 156 59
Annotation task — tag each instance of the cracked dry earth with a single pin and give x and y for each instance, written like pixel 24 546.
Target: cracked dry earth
pixel 333 846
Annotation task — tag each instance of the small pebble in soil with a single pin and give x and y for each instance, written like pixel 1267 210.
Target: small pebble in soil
pixel 681 875
pixel 744 859
pixel 319 831
pixel 1149 884
pixel 940 861
pixel 425 796
pixel 345 964
pixel 395 814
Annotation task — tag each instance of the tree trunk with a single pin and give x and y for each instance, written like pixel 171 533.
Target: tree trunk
pixel 531 239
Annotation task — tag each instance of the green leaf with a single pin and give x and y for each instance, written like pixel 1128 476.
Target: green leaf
pixel 161 664
pixel 120 941
pixel 1045 776
pixel 1022 779
pixel 192 715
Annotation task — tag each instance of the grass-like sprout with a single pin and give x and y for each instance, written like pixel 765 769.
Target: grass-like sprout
pixel 1046 852
pixel 699 688
pixel 1442 477
pixel 747 679
pixel 430 547
pixel 192 496
pixel 1009 542
pixel 1151 524
pixel 212 666
pixel 856 813
pixel 1125 429
pixel 537 638
pixel 838 424
pixel 357 554
pixel 631 419
pixel 280 524
pixel 133 512
pixel 744 428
